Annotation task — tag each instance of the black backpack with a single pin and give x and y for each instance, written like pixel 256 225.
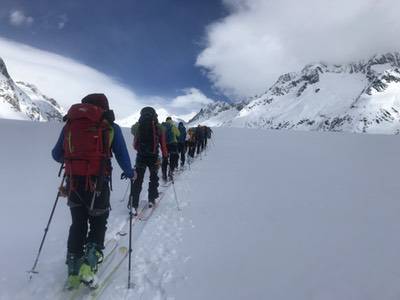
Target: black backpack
pixel 148 135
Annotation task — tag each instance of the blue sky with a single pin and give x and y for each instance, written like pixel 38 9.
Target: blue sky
pixel 149 45
pixel 156 47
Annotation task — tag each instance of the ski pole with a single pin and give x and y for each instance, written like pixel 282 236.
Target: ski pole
pixel 33 270
pixel 176 197
pixel 130 235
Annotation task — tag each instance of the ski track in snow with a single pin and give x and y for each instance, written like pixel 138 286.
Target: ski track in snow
pixel 154 250
pixel 154 244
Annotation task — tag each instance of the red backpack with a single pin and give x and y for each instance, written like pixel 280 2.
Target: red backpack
pixel 87 141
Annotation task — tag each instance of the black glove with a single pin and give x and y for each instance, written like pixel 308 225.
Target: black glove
pixel 131 175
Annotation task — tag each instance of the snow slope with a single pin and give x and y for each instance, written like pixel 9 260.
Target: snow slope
pixel 23 101
pixel 265 215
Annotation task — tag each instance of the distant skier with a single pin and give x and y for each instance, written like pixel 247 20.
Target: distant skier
pixel 191 142
pixel 207 135
pixel 199 139
pixel 182 143
pixel 172 134
pixel 148 137
pixel 85 146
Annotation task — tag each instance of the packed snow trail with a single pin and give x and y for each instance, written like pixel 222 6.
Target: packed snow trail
pixel 265 215
pixel 29 185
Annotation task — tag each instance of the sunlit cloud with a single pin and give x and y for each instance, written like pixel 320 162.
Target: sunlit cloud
pixel 18 18
pixel 64 79
pixel 259 40
pixel 68 81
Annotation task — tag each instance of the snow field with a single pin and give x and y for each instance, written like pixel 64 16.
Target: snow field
pixel 28 197
pixel 265 215
pixel 294 215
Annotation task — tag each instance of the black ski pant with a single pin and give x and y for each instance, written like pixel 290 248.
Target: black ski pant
pixel 192 149
pixel 143 162
pixel 200 146
pixel 182 152
pixel 88 225
pixel 172 160
pixel 205 142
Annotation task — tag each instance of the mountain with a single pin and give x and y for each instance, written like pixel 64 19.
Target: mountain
pixel 355 97
pixel 23 101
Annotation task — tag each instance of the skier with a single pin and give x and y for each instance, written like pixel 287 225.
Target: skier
pixel 148 137
pixel 199 139
pixel 207 135
pixel 191 142
pixel 182 143
pixel 84 146
pixel 172 134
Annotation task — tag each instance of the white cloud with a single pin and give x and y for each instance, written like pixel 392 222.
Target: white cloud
pixel 68 81
pixel 192 99
pixel 262 39
pixel 18 18
pixel 64 79
pixel 183 107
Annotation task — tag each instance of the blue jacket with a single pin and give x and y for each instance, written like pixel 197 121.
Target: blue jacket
pixel 118 147
pixel 182 136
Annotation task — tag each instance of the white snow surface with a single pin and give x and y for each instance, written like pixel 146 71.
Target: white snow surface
pixel 265 215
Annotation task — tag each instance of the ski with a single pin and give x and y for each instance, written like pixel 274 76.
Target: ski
pixel 95 294
pixel 148 212
pixel 123 233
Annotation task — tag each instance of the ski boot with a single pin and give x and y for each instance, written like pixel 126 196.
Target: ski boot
pixel 74 263
pixel 88 269
pixel 164 177
pixel 152 202
pixel 134 209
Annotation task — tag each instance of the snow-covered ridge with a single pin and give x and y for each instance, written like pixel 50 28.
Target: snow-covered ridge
pixel 358 97
pixel 23 101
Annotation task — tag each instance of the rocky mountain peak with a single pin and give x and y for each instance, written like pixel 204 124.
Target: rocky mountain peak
pixel 361 96
pixel 3 69
pixel 24 101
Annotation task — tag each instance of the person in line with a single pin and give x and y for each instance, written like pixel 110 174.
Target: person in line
pixel 207 135
pixel 182 143
pixel 149 137
pixel 199 139
pixel 85 146
pixel 191 142
pixel 172 134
